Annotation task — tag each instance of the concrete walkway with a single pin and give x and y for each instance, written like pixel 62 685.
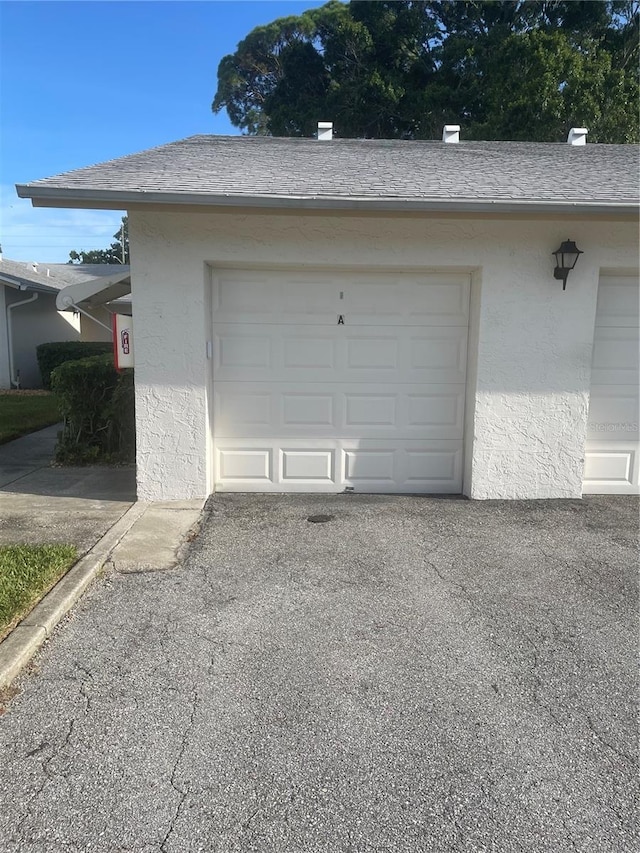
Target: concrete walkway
pixel 40 503
pixel 93 508
pixel 400 675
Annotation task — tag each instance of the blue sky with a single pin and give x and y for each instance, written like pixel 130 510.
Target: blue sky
pixel 83 82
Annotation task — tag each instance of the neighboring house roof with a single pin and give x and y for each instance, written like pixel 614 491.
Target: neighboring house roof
pixel 355 173
pixel 54 277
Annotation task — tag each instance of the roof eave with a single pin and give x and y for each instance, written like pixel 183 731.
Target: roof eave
pixel 120 200
pixel 25 284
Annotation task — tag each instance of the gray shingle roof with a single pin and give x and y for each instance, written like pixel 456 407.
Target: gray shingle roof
pixel 356 173
pixel 53 277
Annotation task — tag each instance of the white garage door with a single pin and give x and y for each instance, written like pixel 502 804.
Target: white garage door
pixel 612 459
pixel 332 381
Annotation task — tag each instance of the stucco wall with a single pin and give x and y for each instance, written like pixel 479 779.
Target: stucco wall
pixel 90 331
pixel 35 323
pixel 530 342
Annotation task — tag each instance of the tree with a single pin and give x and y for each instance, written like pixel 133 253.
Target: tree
pixel 117 253
pixel 504 69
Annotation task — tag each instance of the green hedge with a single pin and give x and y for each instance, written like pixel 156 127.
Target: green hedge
pixel 97 404
pixel 53 355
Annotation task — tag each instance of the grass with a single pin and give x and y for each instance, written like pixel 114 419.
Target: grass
pixel 27 572
pixel 22 412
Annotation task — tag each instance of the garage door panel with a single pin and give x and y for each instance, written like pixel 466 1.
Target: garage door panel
pixel 442 354
pixel 242 295
pixel 441 465
pixel 408 301
pixel 362 466
pixel 237 352
pixel 300 408
pixel 251 297
pixel 250 409
pixel 615 357
pixel 405 411
pixel 614 413
pixel 401 298
pixel 285 465
pixel 339 353
pixel 308 466
pixel 430 409
pixel 371 410
pixel 311 299
pixel 613 441
pixel 440 304
pixel 303 353
pixel 619 303
pixel 611 467
pixel 372 353
pixel 245 465
pixel 366 301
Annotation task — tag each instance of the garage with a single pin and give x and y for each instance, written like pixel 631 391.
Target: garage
pixel 334 380
pixel 612 457
pixel 303 306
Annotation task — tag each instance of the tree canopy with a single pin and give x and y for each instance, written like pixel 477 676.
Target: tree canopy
pixel 117 253
pixel 503 69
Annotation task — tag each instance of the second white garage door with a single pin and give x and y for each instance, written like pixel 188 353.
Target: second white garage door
pixel 612 457
pixel 331 381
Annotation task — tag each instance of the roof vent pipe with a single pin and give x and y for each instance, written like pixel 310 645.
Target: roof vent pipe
pixel 451 133
pixel 325 131
pixel 577 136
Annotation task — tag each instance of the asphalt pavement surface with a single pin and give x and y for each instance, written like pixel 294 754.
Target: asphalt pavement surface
pixel 336 674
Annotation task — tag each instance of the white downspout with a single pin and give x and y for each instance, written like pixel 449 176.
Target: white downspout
pixel 69 303
pixel 10 308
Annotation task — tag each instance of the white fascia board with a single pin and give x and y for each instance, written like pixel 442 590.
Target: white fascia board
pixel 25 284
pixel 12 283
pixel 95 291
pixel 120 200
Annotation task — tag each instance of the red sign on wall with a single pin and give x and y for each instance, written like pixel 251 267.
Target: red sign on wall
pixel 122 341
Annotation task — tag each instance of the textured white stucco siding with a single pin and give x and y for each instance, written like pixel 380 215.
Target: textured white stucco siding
pixel 530 342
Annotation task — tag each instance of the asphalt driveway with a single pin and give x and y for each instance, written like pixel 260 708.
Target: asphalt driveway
pixel 412 674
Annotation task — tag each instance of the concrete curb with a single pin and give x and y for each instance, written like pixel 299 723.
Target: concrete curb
pixel 18 648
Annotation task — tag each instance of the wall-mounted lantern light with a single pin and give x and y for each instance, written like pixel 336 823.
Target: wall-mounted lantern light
pixel 566 258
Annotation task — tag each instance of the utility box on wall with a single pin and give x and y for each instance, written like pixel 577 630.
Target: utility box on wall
pixel 122 341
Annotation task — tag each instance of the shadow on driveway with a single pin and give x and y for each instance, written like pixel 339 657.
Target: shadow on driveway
pixel 40 503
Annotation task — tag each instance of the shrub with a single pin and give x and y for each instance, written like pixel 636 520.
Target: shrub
pixel 122 414
pixel 97 406
pixel 53 355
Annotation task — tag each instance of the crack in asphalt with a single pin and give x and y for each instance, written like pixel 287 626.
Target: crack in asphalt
pixel 183 792
pixel 538 683
pixel 47 776
pixel 633 760
pixel 569 834
pixel 47 773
